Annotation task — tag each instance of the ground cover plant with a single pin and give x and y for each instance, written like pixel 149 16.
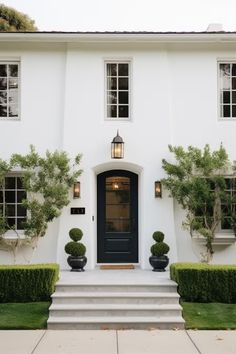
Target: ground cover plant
pixel 209 315
pixel 30 315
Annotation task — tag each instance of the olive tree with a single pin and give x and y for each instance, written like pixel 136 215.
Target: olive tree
pixel 197 181
pixel 12 20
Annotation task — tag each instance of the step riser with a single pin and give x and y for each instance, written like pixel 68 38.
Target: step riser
pixel 115 300
pixel 115 326
pixel 116 288
pixel 114 313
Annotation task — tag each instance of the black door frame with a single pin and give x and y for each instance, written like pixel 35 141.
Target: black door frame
pixel 101 216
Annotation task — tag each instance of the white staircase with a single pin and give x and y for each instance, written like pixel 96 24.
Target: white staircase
pixel 124 299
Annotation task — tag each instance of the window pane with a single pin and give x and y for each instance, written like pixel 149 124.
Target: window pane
pixel 20 223
pixel 3 84
pixel 233 96
pixel 226 97
pixel 13 111
pixel 11 222
pixel 10 210
pixel 118 226
pixel 123 70
pixel 13 96
pixel 20 196
pixel 124 97
pixel 10 197
pixel 3 111
pixel 19 183
pixel 234 70
pixel 111 111
pixel 10 183
pixel 13 83
pixel 111 69
pixel 3 70
pixel 111 97
pixel 119 211
pixel 1 209
pixel 112 83
pixel 3 97
pixel 226 111
pixel 234 83
pixel 233 110
pixel 21 211
pixel 123 111
pixel 123 84
pixel 13 70
pixel 225 224
pixel 1 197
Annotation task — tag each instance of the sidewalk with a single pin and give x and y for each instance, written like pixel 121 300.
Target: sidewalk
pixel 117 342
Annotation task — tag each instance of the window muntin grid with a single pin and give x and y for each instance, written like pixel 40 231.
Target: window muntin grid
pixel 227 86
pixel 9 90
pixel 12 193
pixel 118 90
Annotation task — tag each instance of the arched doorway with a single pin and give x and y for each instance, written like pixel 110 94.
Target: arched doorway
pixel 117 217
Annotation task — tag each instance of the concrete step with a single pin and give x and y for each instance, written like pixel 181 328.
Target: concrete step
pixel 115 298
pixel 116 323
pixel 114 310
pixel 124 288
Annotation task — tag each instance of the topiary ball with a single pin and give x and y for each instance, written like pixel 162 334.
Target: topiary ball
pixel 75 249
pixel 158 236
pixel 160 249
pixel 76 234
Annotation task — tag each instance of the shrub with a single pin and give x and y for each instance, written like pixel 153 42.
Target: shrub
pixel 160 249
pixel 201 282
pixel 76 234
pixel 158 236
pixel 75 249
pixel 27 283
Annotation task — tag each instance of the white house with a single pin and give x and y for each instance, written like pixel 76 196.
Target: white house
pixel 73 91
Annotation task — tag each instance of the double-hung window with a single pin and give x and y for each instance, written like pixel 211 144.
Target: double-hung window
pixel 9 90
pixel 117 90
pixel 12 193
pixel 227 89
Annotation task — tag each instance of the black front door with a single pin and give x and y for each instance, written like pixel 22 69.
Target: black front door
pixel 117 217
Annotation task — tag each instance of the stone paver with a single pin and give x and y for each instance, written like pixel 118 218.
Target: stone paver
pixel 214 342
pixel 20 342
pixel 155 341
pixel 78 342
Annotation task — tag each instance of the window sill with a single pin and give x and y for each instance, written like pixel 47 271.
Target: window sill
pixel 220 239
pixel 13 237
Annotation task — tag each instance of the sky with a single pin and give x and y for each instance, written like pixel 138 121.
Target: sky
pixel 128 15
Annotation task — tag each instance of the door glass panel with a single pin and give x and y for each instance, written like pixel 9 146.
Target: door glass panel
pixel 118 204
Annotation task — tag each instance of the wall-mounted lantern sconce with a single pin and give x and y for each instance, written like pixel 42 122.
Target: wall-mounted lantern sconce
pixel 158 189
pixel 76 190
pixel 117 147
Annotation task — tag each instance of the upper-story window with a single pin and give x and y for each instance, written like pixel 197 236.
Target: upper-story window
pixel 9 90
pixel 12 193
pixel 227 86
pixel 118 90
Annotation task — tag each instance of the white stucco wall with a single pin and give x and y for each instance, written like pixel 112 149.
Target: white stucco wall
pixel 174 101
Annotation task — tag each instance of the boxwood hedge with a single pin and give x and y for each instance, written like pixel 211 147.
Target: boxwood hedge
pixel 27 283
pixel 200 282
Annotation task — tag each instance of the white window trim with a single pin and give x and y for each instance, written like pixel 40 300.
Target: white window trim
pixel 118 60
pixel 222 61
pixel 13 61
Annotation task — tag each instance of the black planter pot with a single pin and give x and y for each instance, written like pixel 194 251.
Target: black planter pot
pixel 77 263
pixel 159 263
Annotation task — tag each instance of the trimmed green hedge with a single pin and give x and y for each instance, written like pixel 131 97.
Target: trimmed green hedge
pixel 200 282
pixel 27 283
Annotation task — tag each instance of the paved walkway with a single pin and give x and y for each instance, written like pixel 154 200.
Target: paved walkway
pixel 117 342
